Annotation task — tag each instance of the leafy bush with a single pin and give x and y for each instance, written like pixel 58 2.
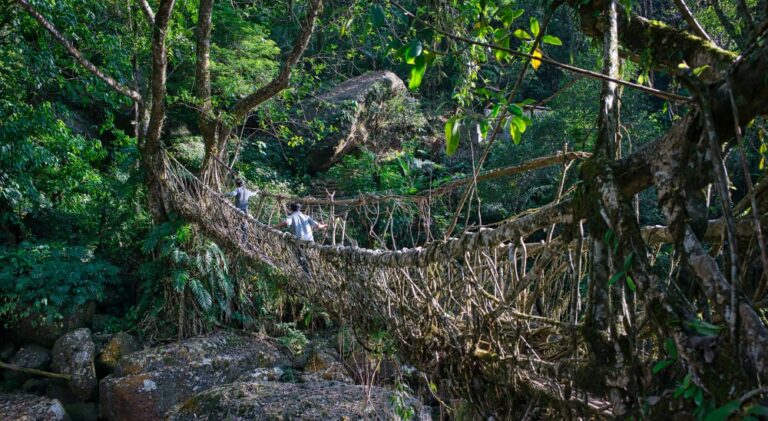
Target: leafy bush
pixel 50 279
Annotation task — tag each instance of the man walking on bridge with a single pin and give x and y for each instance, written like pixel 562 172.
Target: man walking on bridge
pixel 301 226
pixel 241 195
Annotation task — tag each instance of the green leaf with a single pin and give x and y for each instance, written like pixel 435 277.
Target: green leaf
pixel 514 110
pixel 535 27
pixel 417 72
pixel 615 278
pixel 413 50
pixel 671 348
pixel 699 398
pixel 495 110
pixel 704 328
pixel 527 101
pixel 722 413
pixel 451 135
pixel 631 284
pixel 519 123
pixel 687 381
pixel 661 365
pixel 522 34
pixel 699 70
pixel 507 16
pixel 514 132
pixel 377 16
pixel 551 40
pixel 501 54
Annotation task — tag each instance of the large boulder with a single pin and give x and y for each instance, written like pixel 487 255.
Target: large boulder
pixel 29 356
pixel 365 110
pixel 30 408
pixel 74 354
pixel 146 384
pixel 37 329
pixel 306 401
pixel 116 347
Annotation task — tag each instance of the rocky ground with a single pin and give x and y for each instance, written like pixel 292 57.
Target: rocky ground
pixel 225 375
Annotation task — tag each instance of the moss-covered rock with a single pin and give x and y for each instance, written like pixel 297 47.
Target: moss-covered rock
pixel 31 408
pixel 148 383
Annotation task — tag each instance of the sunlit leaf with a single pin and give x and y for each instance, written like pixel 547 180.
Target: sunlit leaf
pixel 417 72
pixel 522 34
pixel 551 40
pixel 535 27
pixel 413 50
pixel 534 62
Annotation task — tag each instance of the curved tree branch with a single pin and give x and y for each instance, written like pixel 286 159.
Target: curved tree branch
pixel 77 55
pixel 147 11
pixel 281 81
pixel 692 22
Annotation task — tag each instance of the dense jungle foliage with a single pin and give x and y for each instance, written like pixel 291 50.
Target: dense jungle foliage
pixel 76 214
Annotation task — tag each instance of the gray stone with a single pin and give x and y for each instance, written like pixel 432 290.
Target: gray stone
pixel 323 364
pixel 31 408
pixel 35 386
pixel 119 345
pixel 146 384
pixel 29 356
pixel 74 354
pixel 307 401
pixel 273 374
pixel 358 113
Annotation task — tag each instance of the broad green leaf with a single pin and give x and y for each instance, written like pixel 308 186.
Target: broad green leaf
pixel 417 72
pixel 495 110
pixel 413 50
pixel 661 365
pixel 377 16
pixel 687 381
pixel 514 110
pixel 704 328
pixel 535 27
pixel 527 101
pixel 522 34
pixel 722 413
pixel 484 126
pixel 514 132
pixel 507 16
pixel 519 123
pixel 551 40
pixel 631 284
pixel 615 278
pixel 501 54
pixel 699 398
pixel 451 135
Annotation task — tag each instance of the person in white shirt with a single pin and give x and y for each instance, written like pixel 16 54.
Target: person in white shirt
pixel 300 224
